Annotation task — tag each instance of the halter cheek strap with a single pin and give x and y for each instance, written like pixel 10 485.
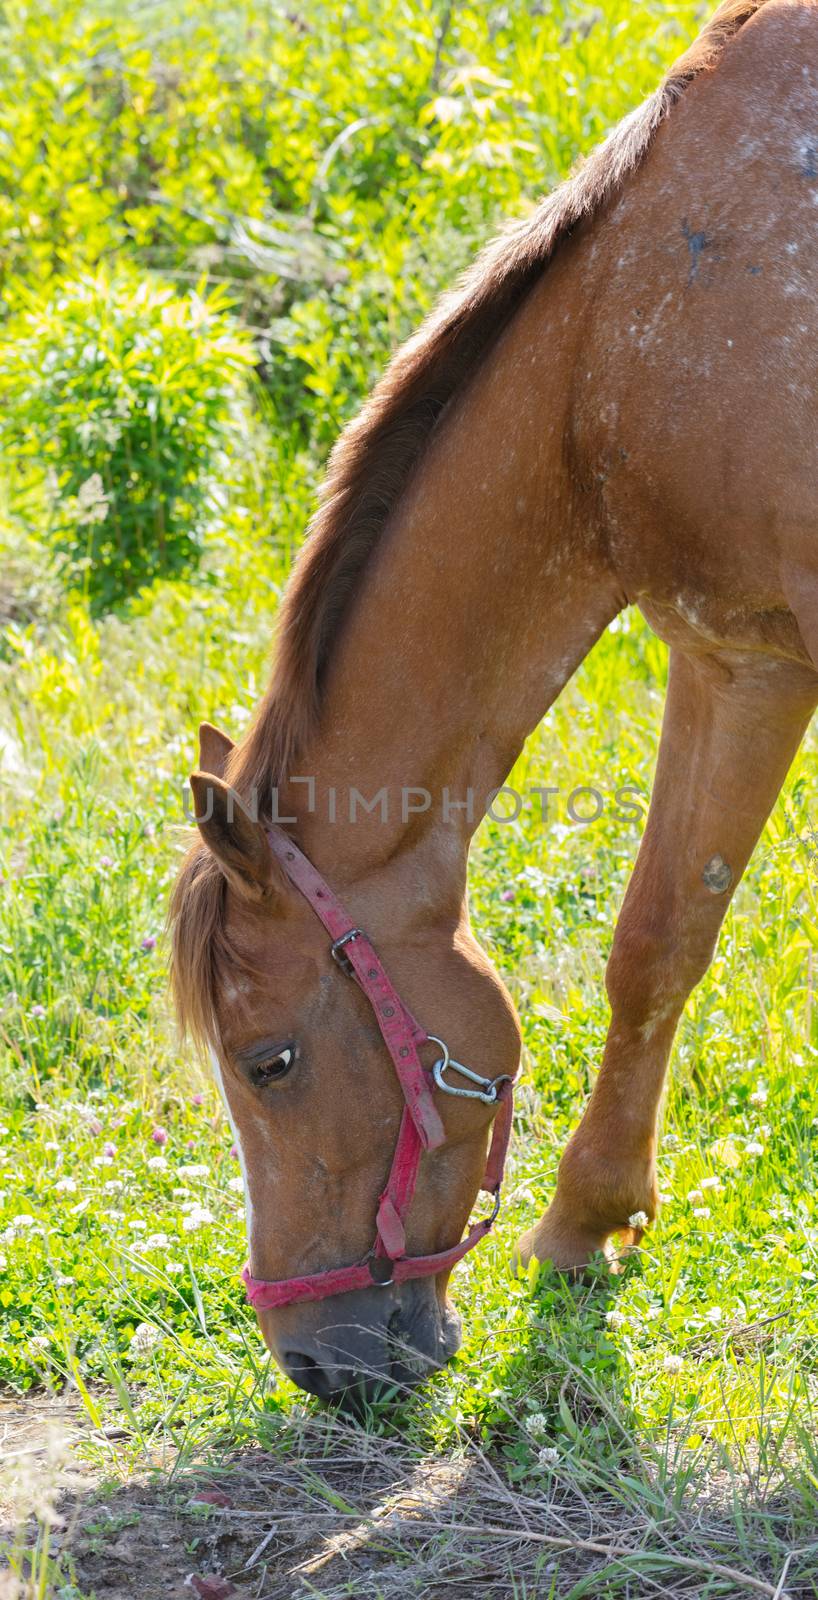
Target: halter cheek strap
pixel 421 1127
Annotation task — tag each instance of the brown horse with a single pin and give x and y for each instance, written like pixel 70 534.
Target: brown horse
pixel 618 406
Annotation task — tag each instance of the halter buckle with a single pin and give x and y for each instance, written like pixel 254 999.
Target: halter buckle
pixel 489 1088
pixel 338 954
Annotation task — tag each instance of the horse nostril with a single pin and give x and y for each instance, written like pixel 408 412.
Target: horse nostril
pixel 307 1373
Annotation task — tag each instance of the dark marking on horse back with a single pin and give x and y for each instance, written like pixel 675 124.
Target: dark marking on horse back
pixel 808 158
pixel 697 243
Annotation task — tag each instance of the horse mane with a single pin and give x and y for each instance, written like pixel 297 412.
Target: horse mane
pixel 370 467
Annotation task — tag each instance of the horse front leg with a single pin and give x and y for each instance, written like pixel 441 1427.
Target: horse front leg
pixel 732 725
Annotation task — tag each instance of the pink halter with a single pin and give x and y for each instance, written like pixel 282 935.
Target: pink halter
pixel 420 1128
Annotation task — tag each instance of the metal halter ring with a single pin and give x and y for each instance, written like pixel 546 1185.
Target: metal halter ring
pixel 489 1087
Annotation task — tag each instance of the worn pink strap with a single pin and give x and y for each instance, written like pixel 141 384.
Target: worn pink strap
pixel 318 1285
pixel 400 1032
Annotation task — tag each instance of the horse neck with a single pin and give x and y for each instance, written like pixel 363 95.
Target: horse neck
pixel 488 588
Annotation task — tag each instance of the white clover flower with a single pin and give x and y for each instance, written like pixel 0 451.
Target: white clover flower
pixel 759 1096
pixel 236 1185
pixel 754 1148
pixel 548 1456
pixel 173 1268
pixel 694 1194
pixel 672 1363
pixel 23 1222
pixel 104 1160
pixel 199 1217
pixel 87 432
pixel 713 1314
pixel 113 1186
pixel 64 1281
pixel 701 1211
pixel 144 1339
pixel 638 1220
pixel 195 1170
pixel 110 432
pixel 65 1186
pixel 137 1225
pixel 158 1164
pixel 157 1241
pixel 52 1147
pixel 537 1425
pixel 39 1345
pixel 711 1183
pixel 615 1319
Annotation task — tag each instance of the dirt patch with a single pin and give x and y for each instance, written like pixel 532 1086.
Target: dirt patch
pixel 334 1512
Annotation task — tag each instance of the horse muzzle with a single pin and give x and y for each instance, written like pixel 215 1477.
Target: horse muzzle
pixel 358 1347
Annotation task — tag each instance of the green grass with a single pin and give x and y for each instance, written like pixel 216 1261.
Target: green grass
pixel 698 1369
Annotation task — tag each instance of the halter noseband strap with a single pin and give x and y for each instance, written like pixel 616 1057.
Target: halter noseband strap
pixel 420 1129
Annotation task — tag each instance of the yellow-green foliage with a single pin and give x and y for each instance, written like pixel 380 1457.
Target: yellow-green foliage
pixel 330 166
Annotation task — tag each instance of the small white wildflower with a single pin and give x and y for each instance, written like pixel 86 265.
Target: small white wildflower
pixel 236 1185
pixel 173 1268
pixel 694 1194
pixel 87 432
pixel 137 1224
pixel 753 1148
pixel 195 1170
pixel 713 1314
pixel 638 1220
pixel 113 1186
pixel 105 1160
pixel 672 1363
pixel 548 1456
pixel 23 1222
pixel 759 1096
pixel 144 1339
pixel 92 501
pixel 110 432
pixel 158 1163
pixel 157 1241
pixel 64 1281
pixel 710 1183
pixel 53 1148
pixel 65 1186
pixel 701 1211
pixel 200 1217
pixel 615 1319
pixel 39 1345
pixel 537 1425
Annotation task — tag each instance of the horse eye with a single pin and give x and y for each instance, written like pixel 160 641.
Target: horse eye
pixel 274 1067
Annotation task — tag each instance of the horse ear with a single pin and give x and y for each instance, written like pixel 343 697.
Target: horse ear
pixel 238 842
pixel 214 749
